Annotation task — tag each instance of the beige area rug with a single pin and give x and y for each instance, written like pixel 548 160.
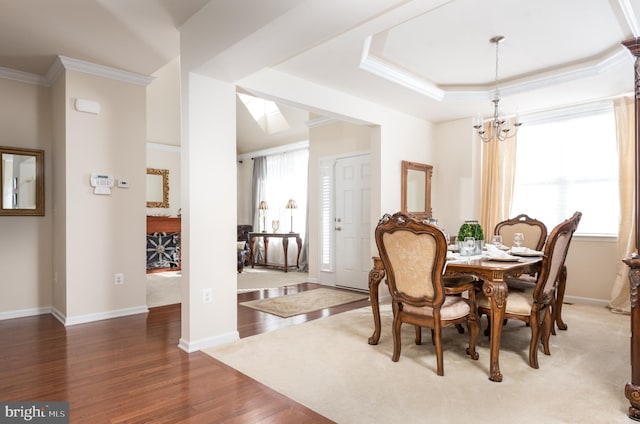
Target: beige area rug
pixel 301 303
pixel 327 365
pixel 252 279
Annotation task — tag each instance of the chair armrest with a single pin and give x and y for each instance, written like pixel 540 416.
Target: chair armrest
pixel 460 288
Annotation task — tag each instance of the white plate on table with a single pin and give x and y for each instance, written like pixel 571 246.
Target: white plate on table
pixel 526 253
pixel 502 259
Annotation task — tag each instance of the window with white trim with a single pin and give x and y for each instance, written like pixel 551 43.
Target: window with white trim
pixel 567 162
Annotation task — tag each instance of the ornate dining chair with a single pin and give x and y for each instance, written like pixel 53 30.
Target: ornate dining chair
pixel 535 232
pixel 533 306
pixel 414 253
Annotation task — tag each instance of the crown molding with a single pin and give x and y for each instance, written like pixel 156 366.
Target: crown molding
pixel 98 70
pixel 382 68
pixel 62 62
pixel 398 75
pixel 23 76
pixel 630 17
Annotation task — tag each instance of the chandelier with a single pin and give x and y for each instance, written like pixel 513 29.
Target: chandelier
pixel 501 128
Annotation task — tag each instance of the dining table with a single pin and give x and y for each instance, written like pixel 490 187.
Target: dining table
pixel 491 273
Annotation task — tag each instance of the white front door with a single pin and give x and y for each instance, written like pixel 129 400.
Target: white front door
pixel 352 222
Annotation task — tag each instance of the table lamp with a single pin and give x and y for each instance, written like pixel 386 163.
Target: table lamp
pixel 262 208
pixel 291 205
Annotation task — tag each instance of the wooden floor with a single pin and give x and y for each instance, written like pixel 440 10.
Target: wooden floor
pixel 129 370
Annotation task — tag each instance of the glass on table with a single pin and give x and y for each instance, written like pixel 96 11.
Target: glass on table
pixel 497 240
pixel 518 238
pixel 469 244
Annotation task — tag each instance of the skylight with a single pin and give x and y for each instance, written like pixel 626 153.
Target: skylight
pixel 266 113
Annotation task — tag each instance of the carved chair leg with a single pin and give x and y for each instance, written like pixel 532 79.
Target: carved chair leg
pixel 553 316
pixel 433 337
pixel 474 328
pixel 418 335
pixel 438 342
pixel 397 324
pixel 460 328
pixel 535 338
pixel 546 330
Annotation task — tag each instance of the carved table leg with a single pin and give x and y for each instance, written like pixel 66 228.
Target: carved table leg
pixel 496 292
pixel 252 256
pixel 299 243
pixel 375 276
pixel 285 247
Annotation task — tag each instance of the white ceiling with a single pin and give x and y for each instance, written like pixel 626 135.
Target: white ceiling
pixel 429 58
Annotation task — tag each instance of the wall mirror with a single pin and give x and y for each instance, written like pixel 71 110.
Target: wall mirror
pixel 157 188
pixel 21 182
pixel 416 189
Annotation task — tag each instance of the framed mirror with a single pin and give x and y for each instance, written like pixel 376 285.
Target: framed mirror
pixel 157 188
pixel 416 189
pixel 21 182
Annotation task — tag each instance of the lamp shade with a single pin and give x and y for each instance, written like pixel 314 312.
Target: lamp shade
pixel 291 204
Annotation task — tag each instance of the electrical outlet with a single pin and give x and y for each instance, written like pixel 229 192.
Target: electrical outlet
pixel 118 279
pixel 206 295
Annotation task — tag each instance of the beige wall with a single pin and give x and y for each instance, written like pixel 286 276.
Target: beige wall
pixel 335 140
pixel 163 131
pixel 162 156
pixel 104 233
pixel 163 105
pixel 26 248
pixel 59 183
pixel 245 173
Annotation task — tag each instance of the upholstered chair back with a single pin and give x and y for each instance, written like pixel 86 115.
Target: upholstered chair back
pixel 555 254
pixel 535 232
pixel 413 253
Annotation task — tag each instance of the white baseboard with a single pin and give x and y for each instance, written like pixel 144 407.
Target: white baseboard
pixel 82 319
pixel 194 346
pixel 21 313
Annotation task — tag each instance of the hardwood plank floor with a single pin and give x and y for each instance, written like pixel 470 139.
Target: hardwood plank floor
pixel 129 370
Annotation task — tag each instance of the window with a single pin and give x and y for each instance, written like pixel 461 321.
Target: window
pixel 266 114
pixel 566 163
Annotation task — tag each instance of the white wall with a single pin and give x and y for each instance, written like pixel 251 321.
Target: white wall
pixel 26 247
pixel 209 202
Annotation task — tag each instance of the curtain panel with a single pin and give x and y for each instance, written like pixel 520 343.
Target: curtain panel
pixel 624 110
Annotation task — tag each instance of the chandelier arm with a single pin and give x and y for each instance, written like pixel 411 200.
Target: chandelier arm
pixel 501 128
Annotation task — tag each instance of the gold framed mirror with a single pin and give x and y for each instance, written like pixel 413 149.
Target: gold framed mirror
pixel 157 188
pixel 21 182
pixel 416 189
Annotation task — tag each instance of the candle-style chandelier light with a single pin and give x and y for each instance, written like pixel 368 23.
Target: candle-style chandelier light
pixel 500 127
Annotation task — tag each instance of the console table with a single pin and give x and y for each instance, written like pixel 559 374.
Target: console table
pixel 285 246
